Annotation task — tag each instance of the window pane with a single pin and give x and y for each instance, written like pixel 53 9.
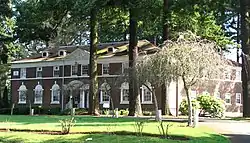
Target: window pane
pixel 125 95
pixel 38 96
pixel 22 96
pixel 55 96
pixel 105 69
pixel 74 69
pixel 105 96
pixel 147 95
pixel 85 69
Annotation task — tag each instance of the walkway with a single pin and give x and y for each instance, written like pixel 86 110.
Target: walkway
pixel 237 131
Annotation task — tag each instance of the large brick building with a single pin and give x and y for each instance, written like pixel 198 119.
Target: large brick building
pixel 50 78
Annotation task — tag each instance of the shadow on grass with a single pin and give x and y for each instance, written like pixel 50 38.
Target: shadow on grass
pixel 110 138
pixel 22 119
pixel 238 138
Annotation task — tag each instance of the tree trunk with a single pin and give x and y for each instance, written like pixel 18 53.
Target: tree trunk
pixel 133 89
pixel 165 35
pixel 245 29
pixel 190 111
pixel 157 118
pixel 94 99
pixel 138 108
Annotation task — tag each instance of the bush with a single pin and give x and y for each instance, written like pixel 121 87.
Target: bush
pixel 123 112
pixel 211 105
pixel 184 106
pixel 78 111
pixel 66 125
pixel 208 104
pixel 147 113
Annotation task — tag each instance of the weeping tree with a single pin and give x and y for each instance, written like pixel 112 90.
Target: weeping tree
pixel 192 60
pixel 152 72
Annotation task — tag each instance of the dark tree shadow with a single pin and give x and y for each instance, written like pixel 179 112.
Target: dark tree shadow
pixel 238 138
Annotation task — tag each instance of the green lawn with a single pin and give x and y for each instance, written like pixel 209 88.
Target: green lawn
pixel 88 123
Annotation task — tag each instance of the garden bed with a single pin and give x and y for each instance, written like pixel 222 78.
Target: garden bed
pixel 49 132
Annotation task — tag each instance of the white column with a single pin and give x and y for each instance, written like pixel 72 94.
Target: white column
pixel 82 99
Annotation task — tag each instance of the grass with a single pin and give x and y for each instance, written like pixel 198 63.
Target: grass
pixel 240 118
pixel 89 123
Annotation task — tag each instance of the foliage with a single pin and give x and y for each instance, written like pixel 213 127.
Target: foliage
pixel 215 107
pixel 67 124
pixel 147 113
pixel 78 111
pixel 164 129
pixel 139 125
pixel 184 106
pixel 123 112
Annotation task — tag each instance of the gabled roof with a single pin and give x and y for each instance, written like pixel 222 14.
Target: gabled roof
pixel 120 49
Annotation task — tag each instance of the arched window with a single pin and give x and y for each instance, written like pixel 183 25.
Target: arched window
pixel 146 94
pixel 22 94
pixel 104 93
pixel 38 94
pixel 55 94
pixel 124 93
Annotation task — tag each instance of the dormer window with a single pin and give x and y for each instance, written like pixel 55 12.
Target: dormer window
pixel 61 53
pixel 45 54
pixel 111 49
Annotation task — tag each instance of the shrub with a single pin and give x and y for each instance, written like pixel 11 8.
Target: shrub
pixel 184 106
pixel 66 125
pixel 139 125
pixel 164 129
pixel 78 111
pixel 211 105
pixel 123 112
pixel 147 113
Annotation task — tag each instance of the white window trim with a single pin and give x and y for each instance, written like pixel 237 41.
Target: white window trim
pixel 39 69
pixel 238 79
pixel 24 89
pixel 146 102
pixel 82 70
pixel 54 102
pixel 236 99
pixel 121 94
pixel 36 102
pixel 23 70
pixel 15 73
pixel 230 74
pixel 101 98
pixel 123 66
pixel 230 99
pixel 102 68
pixel 72 72
pixel 54 69
pixel 215 95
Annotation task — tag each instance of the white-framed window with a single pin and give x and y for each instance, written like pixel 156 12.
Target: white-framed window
pixel 238 98
pixel 228 98
pixel 45 54
pixel 104 93
pixel 61 53
pixel 146 95
pixel 217 95
pixel 39 72
pixel 23 73
pixel 22 91
pixel 74 70
pixel 227 75
pixel 124 93
pixel 238 75
pixel 85 69
pixel 105 68
pixel 205 93
pixel 193 94
pixel 55 94
pixel 38 91
pixel 125 67
pixel 15 73
pixel 56 71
